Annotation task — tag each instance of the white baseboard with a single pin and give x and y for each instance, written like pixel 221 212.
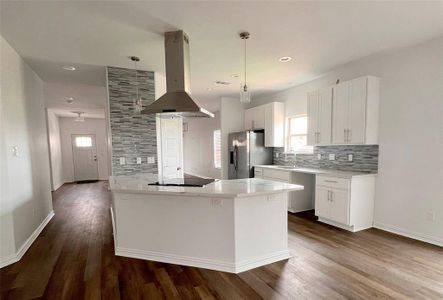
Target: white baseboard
pixel 56 187
pixel 336 224
pixel 410 234
pixel 19 254
pixel 211 264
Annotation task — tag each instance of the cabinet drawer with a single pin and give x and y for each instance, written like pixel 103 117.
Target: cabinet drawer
pixel 333 182
pixel 277 174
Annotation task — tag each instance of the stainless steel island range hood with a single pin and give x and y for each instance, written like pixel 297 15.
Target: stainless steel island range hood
pixel 177 101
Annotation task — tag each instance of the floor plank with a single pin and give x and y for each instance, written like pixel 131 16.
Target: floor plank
pixel 73 258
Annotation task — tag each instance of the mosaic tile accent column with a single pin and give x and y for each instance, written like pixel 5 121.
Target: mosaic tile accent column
pixel 365 158
pixel 133 135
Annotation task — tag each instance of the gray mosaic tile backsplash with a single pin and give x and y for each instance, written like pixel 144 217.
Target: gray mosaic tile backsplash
pixel 365 158
pixel 133 135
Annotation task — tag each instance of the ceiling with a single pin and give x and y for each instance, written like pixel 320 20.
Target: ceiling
pixel 318 35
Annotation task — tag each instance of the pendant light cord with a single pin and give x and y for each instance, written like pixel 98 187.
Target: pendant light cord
pixel 136 79
pixel 245 66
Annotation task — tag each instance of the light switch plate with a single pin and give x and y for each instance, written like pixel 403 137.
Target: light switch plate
pixel 318 156
pixel 331 156
pixel 139 160
pixel 122 161
pixel 151 160
pixel 350 157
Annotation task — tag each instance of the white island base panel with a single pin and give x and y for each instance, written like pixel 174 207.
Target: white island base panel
pixel 224 234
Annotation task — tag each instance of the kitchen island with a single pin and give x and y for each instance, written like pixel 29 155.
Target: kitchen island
pixel 227 225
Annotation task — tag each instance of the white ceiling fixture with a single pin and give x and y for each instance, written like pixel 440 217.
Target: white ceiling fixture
pixel 70 100
pixel 69 68
pixel 80 117
pixel 245 93
pixel 138 103
pixel 285 59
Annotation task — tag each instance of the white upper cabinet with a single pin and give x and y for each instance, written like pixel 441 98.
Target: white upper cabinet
pixel 319 117
pixel 271 118
pixel 274 124
pixel 355 111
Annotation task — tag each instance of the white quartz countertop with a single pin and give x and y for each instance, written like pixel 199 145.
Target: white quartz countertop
pixel 222 188
pixel 324 172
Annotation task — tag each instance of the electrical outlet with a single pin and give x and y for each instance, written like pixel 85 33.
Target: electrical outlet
pixel 430 216
pixel 331 156
pixel 350 157
pixel 139 160
pixel 277 154
pixel 151 160
pixel 318 156
pixel 122 161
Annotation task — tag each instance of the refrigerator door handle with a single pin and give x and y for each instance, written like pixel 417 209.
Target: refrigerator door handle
pixel 236 157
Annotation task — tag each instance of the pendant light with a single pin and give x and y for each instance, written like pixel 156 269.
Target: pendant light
pixel 137 103
pixel 245 93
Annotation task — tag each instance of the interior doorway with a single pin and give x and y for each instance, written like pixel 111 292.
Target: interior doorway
pixel 170 147
pixel 84 155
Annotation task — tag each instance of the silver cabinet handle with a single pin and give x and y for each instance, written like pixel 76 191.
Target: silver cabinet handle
pixel 318 137
pixel 344 135
pixel 252 124
pixel 349 135
pixel 332 196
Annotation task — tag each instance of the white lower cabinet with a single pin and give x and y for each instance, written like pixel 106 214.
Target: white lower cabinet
pixel 345 203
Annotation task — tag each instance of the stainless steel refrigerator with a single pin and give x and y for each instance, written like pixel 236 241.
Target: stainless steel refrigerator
pixel 247 149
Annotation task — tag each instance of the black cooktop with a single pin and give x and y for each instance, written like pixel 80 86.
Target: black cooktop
pixel 196 182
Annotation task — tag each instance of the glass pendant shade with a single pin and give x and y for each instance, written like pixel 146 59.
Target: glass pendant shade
pixel 245 94
pixel 138 105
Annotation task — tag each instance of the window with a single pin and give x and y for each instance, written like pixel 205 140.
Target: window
pixel 298 134
pixel 83 141
pixel 217 149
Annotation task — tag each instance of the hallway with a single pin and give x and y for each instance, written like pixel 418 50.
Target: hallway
pixel 73 258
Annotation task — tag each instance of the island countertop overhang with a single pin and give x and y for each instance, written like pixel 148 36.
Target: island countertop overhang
pixel 236 188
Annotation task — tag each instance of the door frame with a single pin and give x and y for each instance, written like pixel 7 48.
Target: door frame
pixel 73 135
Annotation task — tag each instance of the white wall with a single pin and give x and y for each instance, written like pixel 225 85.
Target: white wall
pixel 68 127
pixel 199 146
pixel 410 180
pixel 231 120
pixel 55 150
pixel 25 181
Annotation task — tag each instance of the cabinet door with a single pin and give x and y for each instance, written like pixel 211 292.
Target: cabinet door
pixel 313 117
pixel 274 124
pixel 259 117
pixel 357 111
pixel 324 116
pixel 340 206
pixel 322 203
pixel 249 116
pixel 269 125
pixel 340 113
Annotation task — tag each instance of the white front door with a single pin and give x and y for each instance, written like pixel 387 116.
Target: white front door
pixel 170 147
pixel 84 154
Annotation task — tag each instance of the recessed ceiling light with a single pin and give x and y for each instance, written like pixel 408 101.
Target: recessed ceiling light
pixel 285 59
pixel 234 75
pixel 70 100
pixel 222 82
pixel 69 68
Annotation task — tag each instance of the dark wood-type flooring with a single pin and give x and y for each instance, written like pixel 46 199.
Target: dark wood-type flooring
pixel 73 258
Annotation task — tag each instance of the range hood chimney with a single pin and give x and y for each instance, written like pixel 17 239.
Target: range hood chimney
pixel 177 101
